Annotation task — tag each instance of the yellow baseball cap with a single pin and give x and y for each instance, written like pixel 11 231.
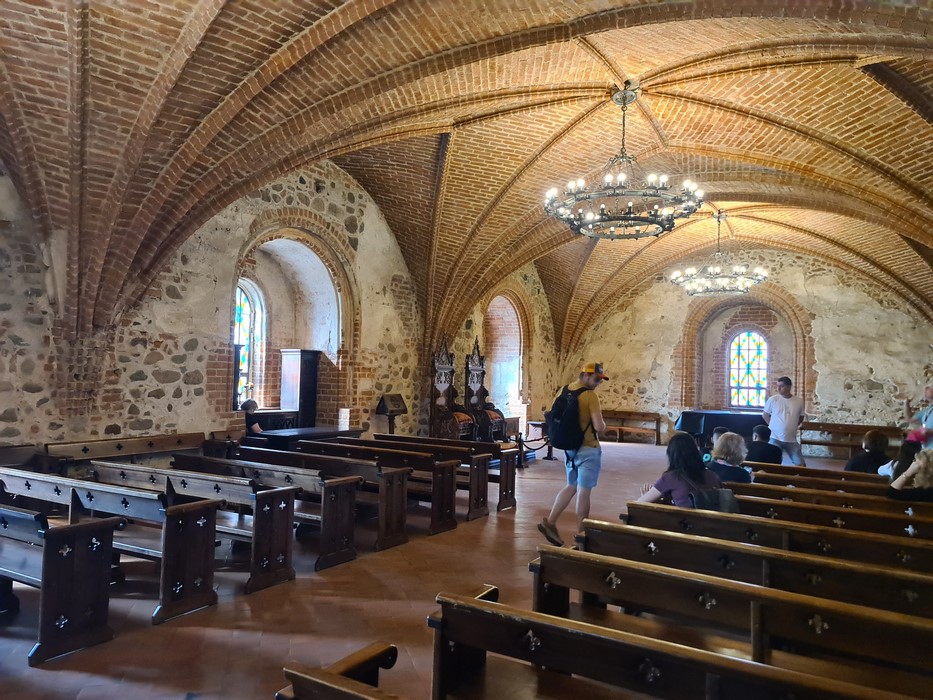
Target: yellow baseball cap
pixel 595 368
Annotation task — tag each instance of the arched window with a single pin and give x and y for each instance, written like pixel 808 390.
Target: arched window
pixel 748 370
pixel 247 338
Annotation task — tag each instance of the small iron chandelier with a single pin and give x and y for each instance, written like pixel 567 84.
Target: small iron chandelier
pixel 621 204
pixel 717 277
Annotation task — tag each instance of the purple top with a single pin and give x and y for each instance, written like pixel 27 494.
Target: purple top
pixel 670 484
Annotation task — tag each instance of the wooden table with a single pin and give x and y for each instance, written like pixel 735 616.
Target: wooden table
pixel 283 439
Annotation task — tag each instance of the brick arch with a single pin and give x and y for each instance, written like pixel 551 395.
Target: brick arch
pixel 688 352
pixel 338 385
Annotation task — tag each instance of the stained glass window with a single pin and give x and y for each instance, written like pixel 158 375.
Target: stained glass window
pixel 244 336
pixel 748 370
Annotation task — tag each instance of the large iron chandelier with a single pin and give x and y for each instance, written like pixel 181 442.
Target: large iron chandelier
pixel 718 277
pixel 622 204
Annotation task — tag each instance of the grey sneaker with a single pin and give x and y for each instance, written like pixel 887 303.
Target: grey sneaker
pixel 550 533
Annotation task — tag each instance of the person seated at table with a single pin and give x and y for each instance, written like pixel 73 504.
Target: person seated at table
pixel 915 484
pixel 728 453
pixel 761 449
pixel 905 457
pixel 685 474
pixel 718 432
pixel 252 420
pixel 873 454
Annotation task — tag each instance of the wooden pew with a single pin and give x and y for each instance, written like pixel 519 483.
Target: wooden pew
pixel 268 530
pixel 125 448
pixel 506 454
pixel 180 537
pixel 434 481
pixel 844 435
pixel 311 474
pixel 852 545
pixel 618 422
pixel 837 499
pixel 813 472
pixel 70 565
pixel 805 482
pixel 475 482
pixel 903 524
pixel 882 587
pixel 857 644
pixel 483 649
pixel 354 676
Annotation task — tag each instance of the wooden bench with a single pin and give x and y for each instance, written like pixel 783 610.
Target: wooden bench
pixel 617 422
pixel 473 478
pixel 382 488
pixel 882 587
pixel 431 480
pixel 180 537
pixel 837 499
pixel 70 565
pixel 829 638
pixel 501 467
pixel 852 545
pixel 805 482
pixel 483 649
pixel 268 530
pixel 812 472
pixel 844 435
pixel 125 448
pixel 354 676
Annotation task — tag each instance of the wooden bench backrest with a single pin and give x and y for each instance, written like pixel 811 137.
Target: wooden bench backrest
pixel 265 475
pixel 631 415
pixel 465 629
pixel 22 525
pixel 805 482
pixel 873 548
pixel 419 461
pixel 837 499
pixel 852 429
pixel 184 483
pixel 475 446
pixel 880 587
pixel 118 500
pixel 445 452
pixel 101 449
pixel 766 615
pixel 817 473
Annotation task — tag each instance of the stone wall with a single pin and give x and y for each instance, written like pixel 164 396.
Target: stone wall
pixel 853 348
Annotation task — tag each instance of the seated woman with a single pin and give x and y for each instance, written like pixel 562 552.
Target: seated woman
pixel 873 454
pixel 915 484
pixel 728 453
pixel 252 420
pixel 905 457
pixel 685 473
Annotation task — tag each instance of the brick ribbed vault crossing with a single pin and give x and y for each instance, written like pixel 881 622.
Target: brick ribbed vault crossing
pixel 126 125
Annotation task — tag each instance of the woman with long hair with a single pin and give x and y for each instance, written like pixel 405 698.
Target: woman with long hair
pixel 684 476
pixel 915 484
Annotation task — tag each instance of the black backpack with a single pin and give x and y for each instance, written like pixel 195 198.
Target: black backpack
pixel 563 420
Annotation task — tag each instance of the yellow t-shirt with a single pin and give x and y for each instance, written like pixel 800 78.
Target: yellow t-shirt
pixel 589 402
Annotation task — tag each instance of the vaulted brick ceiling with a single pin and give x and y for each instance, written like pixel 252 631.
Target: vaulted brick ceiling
pixel 126 125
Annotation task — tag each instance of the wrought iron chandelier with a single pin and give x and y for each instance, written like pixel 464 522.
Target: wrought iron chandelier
pixel 622 204
pixel 717 277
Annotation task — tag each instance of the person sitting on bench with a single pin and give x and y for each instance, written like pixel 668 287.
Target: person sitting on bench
pixel 685 473
pixel 916 484
pixel 252 421
pixel 905 457
pixel 728 453
pixel 761 449
pixel 718 432
pixel 873 455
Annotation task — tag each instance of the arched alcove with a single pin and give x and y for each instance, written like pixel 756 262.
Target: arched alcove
pixel 502 331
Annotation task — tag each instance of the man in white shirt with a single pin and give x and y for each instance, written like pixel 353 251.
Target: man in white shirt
pixel 784 413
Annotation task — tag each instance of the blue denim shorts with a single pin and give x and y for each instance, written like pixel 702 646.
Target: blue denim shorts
pixel 583 465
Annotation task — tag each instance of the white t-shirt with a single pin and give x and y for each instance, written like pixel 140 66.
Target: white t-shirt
pixel 785 416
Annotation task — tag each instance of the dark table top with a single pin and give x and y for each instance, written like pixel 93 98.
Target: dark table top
pixel 280 439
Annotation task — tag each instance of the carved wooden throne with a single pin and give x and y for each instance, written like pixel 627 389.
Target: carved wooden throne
pixel 490 422
pixel 448 418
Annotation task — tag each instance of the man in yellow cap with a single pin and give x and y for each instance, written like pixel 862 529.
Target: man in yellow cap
pixel 583 462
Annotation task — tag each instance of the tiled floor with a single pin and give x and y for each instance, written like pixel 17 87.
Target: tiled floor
pixel 237 648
